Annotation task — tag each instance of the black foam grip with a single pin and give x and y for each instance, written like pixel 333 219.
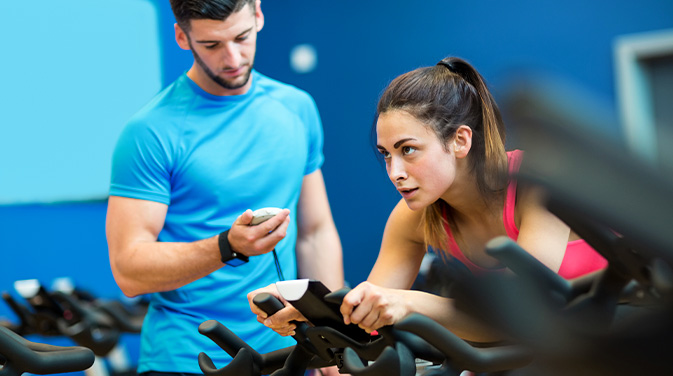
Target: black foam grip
pixel 268 303
pixel 525 265
pixel 337 297
pixel 22 356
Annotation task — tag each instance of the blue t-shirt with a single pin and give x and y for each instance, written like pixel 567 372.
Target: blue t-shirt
pixel 209 158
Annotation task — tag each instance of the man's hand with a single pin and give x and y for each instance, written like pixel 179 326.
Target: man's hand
pixel 260 239
pixel 282 322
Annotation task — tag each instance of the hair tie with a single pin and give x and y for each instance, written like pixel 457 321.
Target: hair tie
pixel 449 66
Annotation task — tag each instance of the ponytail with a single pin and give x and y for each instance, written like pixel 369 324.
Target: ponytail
pixel 494 166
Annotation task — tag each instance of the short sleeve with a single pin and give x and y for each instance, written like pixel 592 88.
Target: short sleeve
pixel 312 120
pixel 140 165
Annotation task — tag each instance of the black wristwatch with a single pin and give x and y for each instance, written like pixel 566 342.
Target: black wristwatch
pixel 228 255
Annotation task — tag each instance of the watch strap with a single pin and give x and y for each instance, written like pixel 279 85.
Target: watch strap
pixel 227 254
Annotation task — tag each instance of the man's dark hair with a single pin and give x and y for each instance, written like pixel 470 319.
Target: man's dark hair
pixel 187 10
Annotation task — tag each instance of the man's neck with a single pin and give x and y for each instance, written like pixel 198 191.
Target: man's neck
pixel 212 87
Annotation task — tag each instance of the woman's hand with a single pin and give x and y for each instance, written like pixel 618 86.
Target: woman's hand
pixel 328 371
pixel 282 321
pixel 371 307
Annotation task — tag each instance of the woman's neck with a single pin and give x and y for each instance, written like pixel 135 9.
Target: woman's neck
pixel 469 204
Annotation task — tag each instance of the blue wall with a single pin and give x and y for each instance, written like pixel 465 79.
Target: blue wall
pixel 361 46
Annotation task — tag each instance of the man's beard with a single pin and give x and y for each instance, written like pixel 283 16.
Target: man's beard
pixel 218 80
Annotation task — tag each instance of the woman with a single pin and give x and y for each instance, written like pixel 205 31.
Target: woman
pixel 443 140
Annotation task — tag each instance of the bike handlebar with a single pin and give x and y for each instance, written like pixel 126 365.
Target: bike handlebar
pixel 393 352
pixel 22 355
pixel 293 360
pixel 461 354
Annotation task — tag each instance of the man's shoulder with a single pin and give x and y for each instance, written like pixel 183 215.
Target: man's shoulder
pixel 282 90
pixel 163 108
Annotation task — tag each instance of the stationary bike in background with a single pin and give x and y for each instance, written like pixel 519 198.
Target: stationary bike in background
pixel 18 355
pixel 90 322
pixel 621 205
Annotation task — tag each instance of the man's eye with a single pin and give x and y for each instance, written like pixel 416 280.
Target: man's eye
pixel 211 46
pixel 242 37
pixel 408 150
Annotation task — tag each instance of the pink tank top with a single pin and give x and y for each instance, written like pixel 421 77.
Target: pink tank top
pixel 579 259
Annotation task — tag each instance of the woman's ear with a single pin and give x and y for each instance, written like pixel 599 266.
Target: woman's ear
pixel 462 141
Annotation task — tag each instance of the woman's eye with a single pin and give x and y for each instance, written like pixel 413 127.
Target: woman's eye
pixel 406 150
pixel 384 153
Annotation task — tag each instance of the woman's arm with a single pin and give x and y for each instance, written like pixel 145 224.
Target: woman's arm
pixel 385 298
pixel 402 249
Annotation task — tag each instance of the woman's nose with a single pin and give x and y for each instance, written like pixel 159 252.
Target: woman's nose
pixel 397 171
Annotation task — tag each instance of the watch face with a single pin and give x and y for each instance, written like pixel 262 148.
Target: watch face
pixel 237 259
pixel 236 262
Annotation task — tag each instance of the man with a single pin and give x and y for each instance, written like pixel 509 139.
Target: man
pixel 219 141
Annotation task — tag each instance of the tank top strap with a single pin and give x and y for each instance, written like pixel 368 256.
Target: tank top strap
pixel 455 251
pixel 514 159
